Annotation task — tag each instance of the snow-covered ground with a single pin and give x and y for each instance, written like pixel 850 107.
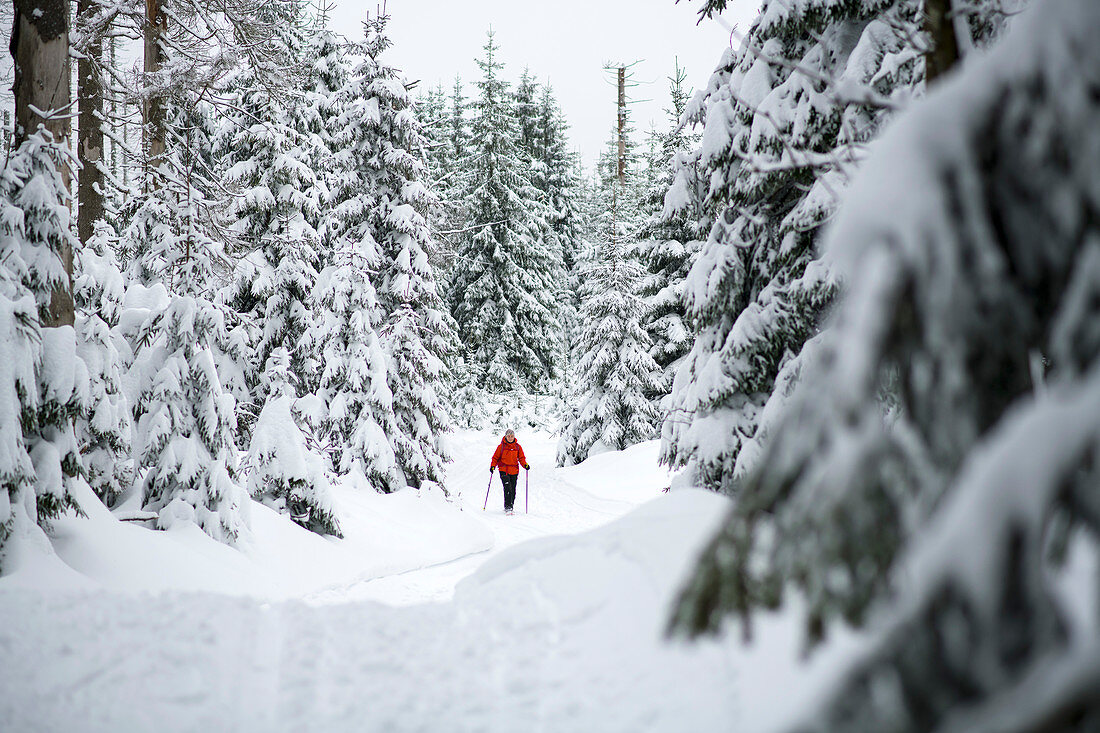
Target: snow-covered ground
pixel 428 616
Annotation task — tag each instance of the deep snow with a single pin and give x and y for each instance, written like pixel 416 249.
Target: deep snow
pixel 129 629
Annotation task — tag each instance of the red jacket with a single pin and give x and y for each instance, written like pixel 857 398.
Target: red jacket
pixel 509 456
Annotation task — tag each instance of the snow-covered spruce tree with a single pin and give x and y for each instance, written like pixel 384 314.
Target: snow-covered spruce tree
pixel 166 237
pixel 103 429
pixel 557 176
pixel 431 110
pixel 525 109
pixel 184 420
pixel 359 417
pixel 504 291
pixel 271 156
pixel 99 284
pixel 670 240
pixel 348 364
pixel 416 333
pixel 459 136
pixel 281 470
pixel 188 364
pixel 20 334
pixel 320 111
pixel 43 385
pixel 456 178
pixel 590 210
pixel 444 174
pixel 615 372
pixel 776 146
pixel 185 261
pixel 947 511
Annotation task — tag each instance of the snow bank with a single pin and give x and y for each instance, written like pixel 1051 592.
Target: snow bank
pixel 622 475
pixel 384 534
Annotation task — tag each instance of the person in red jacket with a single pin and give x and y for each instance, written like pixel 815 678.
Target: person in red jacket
pixel 509 456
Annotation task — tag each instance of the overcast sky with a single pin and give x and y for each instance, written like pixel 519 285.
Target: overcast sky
pixel 565 42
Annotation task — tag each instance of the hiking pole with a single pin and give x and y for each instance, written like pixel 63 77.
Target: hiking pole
pixel 527 493
pixel 487 489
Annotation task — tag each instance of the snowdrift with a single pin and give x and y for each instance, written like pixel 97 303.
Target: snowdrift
pixel 385 534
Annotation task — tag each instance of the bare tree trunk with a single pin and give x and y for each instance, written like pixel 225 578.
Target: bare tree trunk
pixel 943 51
pixel 621 169
pixel 156 25
pixel 620 165
pixel 40 50
pixel 115 132
pixel 89 86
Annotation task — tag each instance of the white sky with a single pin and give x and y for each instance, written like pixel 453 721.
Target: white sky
pixel 565 42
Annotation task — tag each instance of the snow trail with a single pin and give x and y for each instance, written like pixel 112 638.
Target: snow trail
pixel 557 506
pixel 557 626
pixel 554 628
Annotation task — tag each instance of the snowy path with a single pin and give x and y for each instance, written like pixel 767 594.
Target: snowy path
pixel 557 627
pixel 557 506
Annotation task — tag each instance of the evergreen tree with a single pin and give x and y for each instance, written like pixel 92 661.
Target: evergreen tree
pixel 525 108
pixel 359 417
pixel 184 420
pixel 348 366
pixel 928 476
pixel 103 430
pixel 454 180
pixel 188 366
pixel 615 372
pixel 282 471
pixel 556 173
pixel 43 385
pixel 271 155
pixel 670 239
pixel 189 363
pixel 459 132
pixel 443 126
pixel 416 332
pixel 776 148
pixel 325 139
pixel 431 110
pixel 557 176
pixel 20 332
pixel 504 291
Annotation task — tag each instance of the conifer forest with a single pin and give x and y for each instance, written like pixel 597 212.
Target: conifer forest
pixel 341 396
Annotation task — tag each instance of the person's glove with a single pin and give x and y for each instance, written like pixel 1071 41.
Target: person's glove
pixel 526 468
pixel 492 468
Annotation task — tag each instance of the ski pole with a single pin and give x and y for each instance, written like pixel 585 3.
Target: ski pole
pixel 487 489
pixel 527 493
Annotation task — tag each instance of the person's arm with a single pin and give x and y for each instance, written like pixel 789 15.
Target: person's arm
pixel 522 458
pixel 496 458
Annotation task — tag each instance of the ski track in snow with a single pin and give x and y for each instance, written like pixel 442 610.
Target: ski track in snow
pixel 562 634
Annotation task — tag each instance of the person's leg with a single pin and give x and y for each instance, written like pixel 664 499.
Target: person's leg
pixel 509 483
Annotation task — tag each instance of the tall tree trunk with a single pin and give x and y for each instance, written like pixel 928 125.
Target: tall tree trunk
pixel 620 168
pixel 156 25
pixel 89 93
pixel 40 50
pixel 943 51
